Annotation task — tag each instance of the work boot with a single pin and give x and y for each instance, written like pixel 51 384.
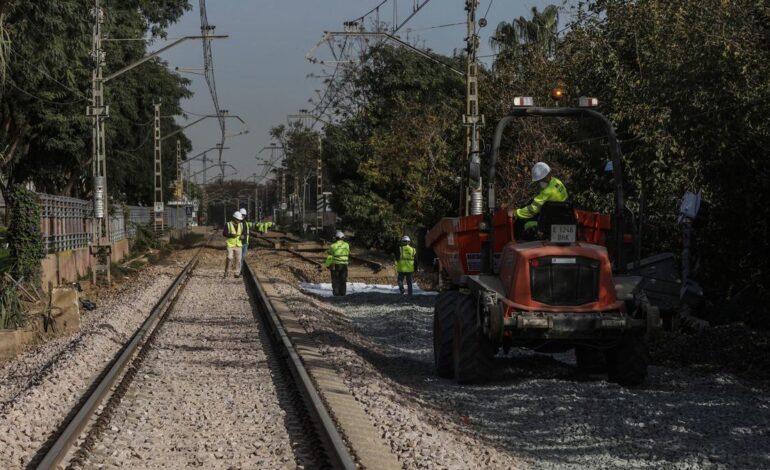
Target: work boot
pixel 227 265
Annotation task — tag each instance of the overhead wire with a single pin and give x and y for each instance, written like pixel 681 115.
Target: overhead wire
pixel 45 100
pixel 208 64
pixel 344 45
pixel 46 73
pixel 488 7
pixel 438 26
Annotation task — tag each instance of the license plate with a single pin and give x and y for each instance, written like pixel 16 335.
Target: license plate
pixel 562 233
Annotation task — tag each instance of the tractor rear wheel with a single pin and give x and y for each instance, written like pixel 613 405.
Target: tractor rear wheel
pixel 627 362
pixel 473 352
pixel 443 332
pixel 590 360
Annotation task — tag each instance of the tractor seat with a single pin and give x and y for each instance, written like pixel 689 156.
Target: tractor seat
pixel 555 213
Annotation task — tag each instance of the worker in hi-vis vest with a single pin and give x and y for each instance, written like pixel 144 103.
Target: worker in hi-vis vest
pixel 337 262
pixel 405 264
pixel 551 190
pixel 245 232
pixel 232 232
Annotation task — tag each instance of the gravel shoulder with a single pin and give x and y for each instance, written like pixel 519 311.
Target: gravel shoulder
pixel 538 412
pixel 40 386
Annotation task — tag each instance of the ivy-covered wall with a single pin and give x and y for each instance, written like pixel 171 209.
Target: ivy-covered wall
pixel 24 237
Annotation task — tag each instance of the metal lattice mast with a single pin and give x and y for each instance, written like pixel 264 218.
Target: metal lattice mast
pixel 99 112
pixel 158 200
pixel 472 201
pixel 204 194
pixel 179 180
pixel 319 201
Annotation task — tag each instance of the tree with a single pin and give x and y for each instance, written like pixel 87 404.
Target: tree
pixel 685 84
pixel 44 134
pixel 395 162
pixel 537 33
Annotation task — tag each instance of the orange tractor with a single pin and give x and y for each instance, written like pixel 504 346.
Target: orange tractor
pixel 559 292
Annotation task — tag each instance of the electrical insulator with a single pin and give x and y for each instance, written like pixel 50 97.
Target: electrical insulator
pixel 99 197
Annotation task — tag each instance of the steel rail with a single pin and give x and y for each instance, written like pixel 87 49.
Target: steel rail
pixel 306 258
pixel 69 435
pixel 336 449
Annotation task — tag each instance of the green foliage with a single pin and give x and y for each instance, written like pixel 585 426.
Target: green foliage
pixel 24 237
pixel 394 163
pixel 686 86
pixel 146 238
pixel 45 136
pixel 684 82
pixel 11 310
pixel 521 33
pixel 188 240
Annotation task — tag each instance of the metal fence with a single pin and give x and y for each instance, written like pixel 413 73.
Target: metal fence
pixel 118 225
pixel 66 223
pixel 173 217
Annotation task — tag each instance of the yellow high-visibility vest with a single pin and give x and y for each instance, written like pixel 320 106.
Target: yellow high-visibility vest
pixel 555 191
pixel 405 263
pixel 235 230
pixel 339 251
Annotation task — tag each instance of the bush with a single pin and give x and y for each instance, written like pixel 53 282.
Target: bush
pixel 146 238
pixel 188 240
pixel 11 310
pixel 25 240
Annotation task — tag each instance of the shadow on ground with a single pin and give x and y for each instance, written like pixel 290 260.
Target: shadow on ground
pixel 539 408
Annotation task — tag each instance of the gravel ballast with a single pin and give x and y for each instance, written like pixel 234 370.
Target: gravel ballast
pixel 538 411
pixel 39 387
pixel 205 395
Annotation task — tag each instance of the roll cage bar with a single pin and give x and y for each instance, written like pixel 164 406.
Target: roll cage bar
pixel 615 155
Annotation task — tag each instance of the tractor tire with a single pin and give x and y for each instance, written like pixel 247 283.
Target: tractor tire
pixel 472 351
pixel 590 360
pixel 627 362
pixel 443 332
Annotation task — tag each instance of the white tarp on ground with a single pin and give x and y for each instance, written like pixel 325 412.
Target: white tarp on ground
pixel 325 289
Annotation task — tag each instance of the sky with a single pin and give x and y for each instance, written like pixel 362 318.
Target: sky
pixel 261 70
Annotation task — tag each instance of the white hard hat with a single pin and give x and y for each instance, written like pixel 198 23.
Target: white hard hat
pixel 540 171
pixel 237 215
pixel 406 238
pixel 339 234
pixel 243 211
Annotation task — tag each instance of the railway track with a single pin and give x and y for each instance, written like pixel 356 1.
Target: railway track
pixel 151 383
pixel 314 252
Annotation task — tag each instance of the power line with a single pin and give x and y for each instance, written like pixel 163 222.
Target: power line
pixel 45 100
pixel 194 114
pixel 208 72
pixel 488 7
pixel 437 27
pixel 48 75
pixel 362 17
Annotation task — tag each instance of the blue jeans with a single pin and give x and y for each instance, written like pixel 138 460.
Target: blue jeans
pixel 409 277
pixel 244 249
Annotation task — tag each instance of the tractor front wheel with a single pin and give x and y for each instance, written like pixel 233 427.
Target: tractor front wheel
pixel 443 332
pixel 627 362
pixel 473 352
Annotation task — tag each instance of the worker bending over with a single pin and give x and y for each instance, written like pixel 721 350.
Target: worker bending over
pixel 232 232
pixel 245 232
pixel 551 190
pixel 405 264
pixel 338 263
